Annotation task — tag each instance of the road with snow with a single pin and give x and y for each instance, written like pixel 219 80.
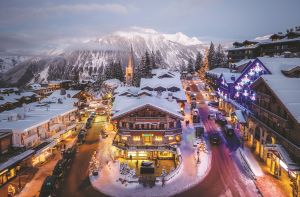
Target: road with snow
pixel 77 182
pixel 226 177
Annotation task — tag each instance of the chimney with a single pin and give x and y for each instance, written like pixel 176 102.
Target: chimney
pixel 170 97
pixel 232 78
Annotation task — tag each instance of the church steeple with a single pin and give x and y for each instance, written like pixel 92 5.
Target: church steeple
pixel 129 68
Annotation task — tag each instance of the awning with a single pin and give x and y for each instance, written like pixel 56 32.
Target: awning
pixel 283 155
pixel 239 116
pixel 16 159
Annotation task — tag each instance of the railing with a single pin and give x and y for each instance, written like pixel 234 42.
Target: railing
pixel 174 130
pixel 125 146
pixel 285 142
pixel 143 119
pixel 269 112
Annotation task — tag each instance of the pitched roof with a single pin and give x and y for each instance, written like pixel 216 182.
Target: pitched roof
pixel 125 105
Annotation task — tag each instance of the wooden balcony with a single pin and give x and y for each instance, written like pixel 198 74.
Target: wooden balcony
pixel 260 109
pixel 174 131
pixel 147 119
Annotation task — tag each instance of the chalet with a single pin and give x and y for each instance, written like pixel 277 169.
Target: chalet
pixel 276 45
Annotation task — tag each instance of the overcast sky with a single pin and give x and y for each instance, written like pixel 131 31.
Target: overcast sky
pixel 28 25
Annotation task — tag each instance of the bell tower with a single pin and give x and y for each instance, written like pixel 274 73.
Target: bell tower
pixel 129 68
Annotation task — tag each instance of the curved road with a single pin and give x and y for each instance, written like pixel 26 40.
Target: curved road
pixel 226 177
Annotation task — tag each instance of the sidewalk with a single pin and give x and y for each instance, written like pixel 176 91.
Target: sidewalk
pixel 32 188
pixel 265 182
pixel 190 173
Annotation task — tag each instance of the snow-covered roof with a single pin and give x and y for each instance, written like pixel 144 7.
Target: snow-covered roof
pixel 124 105
pixel 264 42
pixel 113 83
pixel 218 71
pixel 35 114
pixel 9 89
pixel 288 91
pixel 240 116
pixel 35 86
pixel 242 62
pixel 230 77
pixel 57 95
pixel 13 97
pixel 276 64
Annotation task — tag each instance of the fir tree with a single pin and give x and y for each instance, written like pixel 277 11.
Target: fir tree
pixel 211 56
pixel 190 67
pixel 108 72
pixel 220 57
pixel 198 62
pixel 136 78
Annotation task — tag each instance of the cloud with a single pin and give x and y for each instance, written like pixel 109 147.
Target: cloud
pixel 17 14
pixel 78 8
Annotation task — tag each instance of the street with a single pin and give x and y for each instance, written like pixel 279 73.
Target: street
pixel 77 182
pixel 226 177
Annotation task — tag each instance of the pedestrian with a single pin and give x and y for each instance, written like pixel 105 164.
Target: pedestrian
pixel 163 182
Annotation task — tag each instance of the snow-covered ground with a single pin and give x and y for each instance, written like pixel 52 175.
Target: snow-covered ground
pixel 190 173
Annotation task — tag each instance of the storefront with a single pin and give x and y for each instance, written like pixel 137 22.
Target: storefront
pixel 148 155
pixel 43 152
pixel 10 168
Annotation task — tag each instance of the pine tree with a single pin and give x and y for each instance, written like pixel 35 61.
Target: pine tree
pixel 182 67
pixel 147 66
pixel 119 74
pixel 211 56
pixel 198 62
pixel 158 59
pixel 136 78
pixel 109 69
pixel 152 60
pixel 205 66
pixel 190 67
pixel 220 57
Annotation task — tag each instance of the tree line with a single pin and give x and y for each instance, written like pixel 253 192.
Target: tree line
pixel 214 58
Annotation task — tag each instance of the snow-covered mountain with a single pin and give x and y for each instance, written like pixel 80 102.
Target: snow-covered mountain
pixel 88 59
pixel 9 61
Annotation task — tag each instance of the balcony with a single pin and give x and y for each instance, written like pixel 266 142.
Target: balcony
pixel 290 146
pixel 162 147
pixel 174 131
pixel 147 119
pixel 259 108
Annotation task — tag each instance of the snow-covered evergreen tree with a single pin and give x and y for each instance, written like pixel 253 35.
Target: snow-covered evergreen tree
pixel 211 56
pixel 220 57
pixel 190 67
pixel 198 62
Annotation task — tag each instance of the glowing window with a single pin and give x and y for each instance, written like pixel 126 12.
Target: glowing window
pixel 158 138
pixel 136 138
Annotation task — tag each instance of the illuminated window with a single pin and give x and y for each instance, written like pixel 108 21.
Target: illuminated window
pixel 136 138
pixel 171 138
pixel 158 138
pixel 124 138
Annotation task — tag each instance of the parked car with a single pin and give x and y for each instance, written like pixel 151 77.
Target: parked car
pixel 199 131
pixel 221 119
pixel 49 187
pixel 59 169
pixel 215 138
pixel 228 130
pixel 211 115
